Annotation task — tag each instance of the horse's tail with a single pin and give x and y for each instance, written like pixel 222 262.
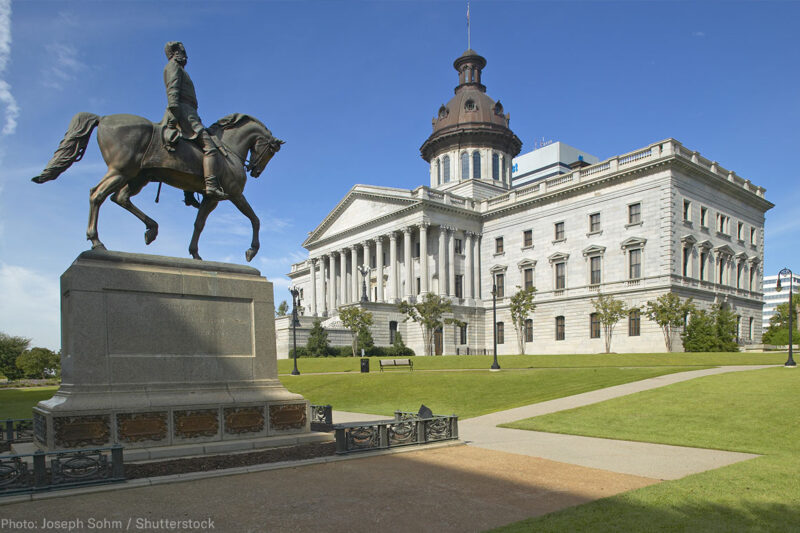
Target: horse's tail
pixel 72 146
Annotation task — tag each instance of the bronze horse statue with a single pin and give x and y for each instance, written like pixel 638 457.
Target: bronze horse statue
pixel 133 149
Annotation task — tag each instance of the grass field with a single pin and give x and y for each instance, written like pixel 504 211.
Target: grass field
pixel 17 403
pixel 351 364
pixel 466 394
pixel 745 411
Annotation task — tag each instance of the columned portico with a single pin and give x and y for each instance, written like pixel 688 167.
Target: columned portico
pixel 409 290
pixel 379 265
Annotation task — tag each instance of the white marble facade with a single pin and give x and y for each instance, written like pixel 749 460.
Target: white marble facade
pixel 656 220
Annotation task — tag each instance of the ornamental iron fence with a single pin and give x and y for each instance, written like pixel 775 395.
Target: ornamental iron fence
pixel 17 430
pixel 67 468
pixel 321 418
pixel 405 429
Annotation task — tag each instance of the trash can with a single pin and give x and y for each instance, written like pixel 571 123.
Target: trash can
pixel 365 365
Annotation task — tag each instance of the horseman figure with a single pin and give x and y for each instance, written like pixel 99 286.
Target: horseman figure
pixel 182 115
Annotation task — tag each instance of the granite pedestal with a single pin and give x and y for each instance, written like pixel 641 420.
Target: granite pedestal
pixel 168 354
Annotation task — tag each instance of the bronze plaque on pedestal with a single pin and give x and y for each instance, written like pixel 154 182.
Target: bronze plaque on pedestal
pixel 244 419
pixel 137 427
pixel 76 431
pixel 287 416
pixel 193 424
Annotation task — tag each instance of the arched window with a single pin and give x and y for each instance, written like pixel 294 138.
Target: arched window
pixel 438 172
pixel 447 169
pixel 476 165
pixel 495 166
pixel 504 168
pixel 464 166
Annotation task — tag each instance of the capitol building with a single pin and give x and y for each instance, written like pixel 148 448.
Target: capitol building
pixel 655 220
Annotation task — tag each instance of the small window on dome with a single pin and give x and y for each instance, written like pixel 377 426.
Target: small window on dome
pixel 469 105
pixel 443 112
pixel 498 108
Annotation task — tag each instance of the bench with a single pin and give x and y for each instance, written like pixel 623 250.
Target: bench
pixel 397 362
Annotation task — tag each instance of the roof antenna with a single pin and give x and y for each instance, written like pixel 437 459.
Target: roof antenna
pixel 469 44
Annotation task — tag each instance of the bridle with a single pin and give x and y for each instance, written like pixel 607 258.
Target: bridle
pixel 255 162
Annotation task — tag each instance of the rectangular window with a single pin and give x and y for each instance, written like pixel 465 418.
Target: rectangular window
pixel 459 286
pixel 634 213
pixel 703 261
pixel 561 275
pixel 501 333
pixel 462 334
pixel 740 231
pixel 635 271
pixel 752 276
pixel 703 217
pixel 529 330
pixel 500 282
pixel 634 323
pixel 527 238
pixel 752 235
pixel 372 261
pixel 559 231
pixel 723 223
pixel 416 249
pixel 560 336
pixel 392 331
pixel 419 286
pixel 594 222
pixel 739 269
pixel 594 326
pixel 498 245
pixel 687 211
pixel 687 253
pixel 458 246
pixel 721 271
pixel 595 270
pixel 527 275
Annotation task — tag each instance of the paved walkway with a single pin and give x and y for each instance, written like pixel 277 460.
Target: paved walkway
pixel 657 461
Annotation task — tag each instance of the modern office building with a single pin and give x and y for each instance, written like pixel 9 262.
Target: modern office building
pixel 654 220
pixel 773 298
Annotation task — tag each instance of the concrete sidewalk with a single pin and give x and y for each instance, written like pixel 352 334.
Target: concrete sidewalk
pixel 657 461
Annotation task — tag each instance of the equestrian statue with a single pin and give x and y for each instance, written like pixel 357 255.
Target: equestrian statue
pixel 179 151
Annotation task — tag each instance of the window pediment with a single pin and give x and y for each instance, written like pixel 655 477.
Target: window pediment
pixel 688 239
pixel 526 263
pixel 724 249
pixel 498 269
pixel 594 250
pixel 706 245
pixel 557 257
pixel 633 242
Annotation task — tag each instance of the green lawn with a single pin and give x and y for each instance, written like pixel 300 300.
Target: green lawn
pixel 745 411
pixel 466 394
pixel 351 364
pixel 17 403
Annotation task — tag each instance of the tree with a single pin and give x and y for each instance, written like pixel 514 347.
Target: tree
pixel 283 309
pixel 428 314
pixel 668 311
pixel 365 340
pixel 399 348
pixel 711 331
pixel 778 330
pixel 39 363
pixel 725 325
pixel 610 311
pixel 355 319
pixel 10 349
pixel 317 344
pixel 521 306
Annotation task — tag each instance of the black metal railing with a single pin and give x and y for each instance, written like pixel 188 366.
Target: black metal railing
pixel 405 429
pixel 321 418
pixel 17 430
pixel 67 468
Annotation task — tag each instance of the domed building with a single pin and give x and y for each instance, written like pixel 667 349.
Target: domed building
pixel 656 220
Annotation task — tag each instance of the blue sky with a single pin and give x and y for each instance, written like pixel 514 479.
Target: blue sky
pixel 352 87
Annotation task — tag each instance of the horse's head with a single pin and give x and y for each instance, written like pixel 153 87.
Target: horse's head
pixel 261 153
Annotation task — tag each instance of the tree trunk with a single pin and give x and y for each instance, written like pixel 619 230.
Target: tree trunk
pixel 355 344
pixel 667 337
pixel 521 340
pixel 608 338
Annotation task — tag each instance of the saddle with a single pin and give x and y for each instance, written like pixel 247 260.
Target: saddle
pixel 168 149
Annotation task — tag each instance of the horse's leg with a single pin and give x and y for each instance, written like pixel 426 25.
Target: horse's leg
pixel 241 203
pixel 111 182
pixel 205 209
pixel 122 198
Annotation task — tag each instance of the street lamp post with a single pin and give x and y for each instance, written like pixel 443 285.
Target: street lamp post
pixel 295 322
pixel 494 366
pixel 789 362
pixel 364 269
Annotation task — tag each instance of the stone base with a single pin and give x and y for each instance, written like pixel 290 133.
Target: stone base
pixel 160 351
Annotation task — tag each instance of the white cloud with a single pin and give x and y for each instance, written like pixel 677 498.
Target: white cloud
pixel 6 97
pixel 65 65
pixel 698 34
pixel 30 305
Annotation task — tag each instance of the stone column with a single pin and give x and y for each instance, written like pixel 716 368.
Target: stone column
pixel 332 284
pixel 343 298
pixel 379 265
pixel 441 272
pixel 354 269
pixel 367 247
pixel 477 266
pixel 469 280
pixel 423 257
pixel 313 287
pixel 394 293
pixel 408 262
pixel 451 259
pixel 325 286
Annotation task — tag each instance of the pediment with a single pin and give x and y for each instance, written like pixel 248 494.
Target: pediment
pixel 688 239
pixel 724 249
pixel 594 250
pixel 633 242
pixel 358 209
pixel 705 245
pixel 497 269
pixel 558 256
pixel 526 263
